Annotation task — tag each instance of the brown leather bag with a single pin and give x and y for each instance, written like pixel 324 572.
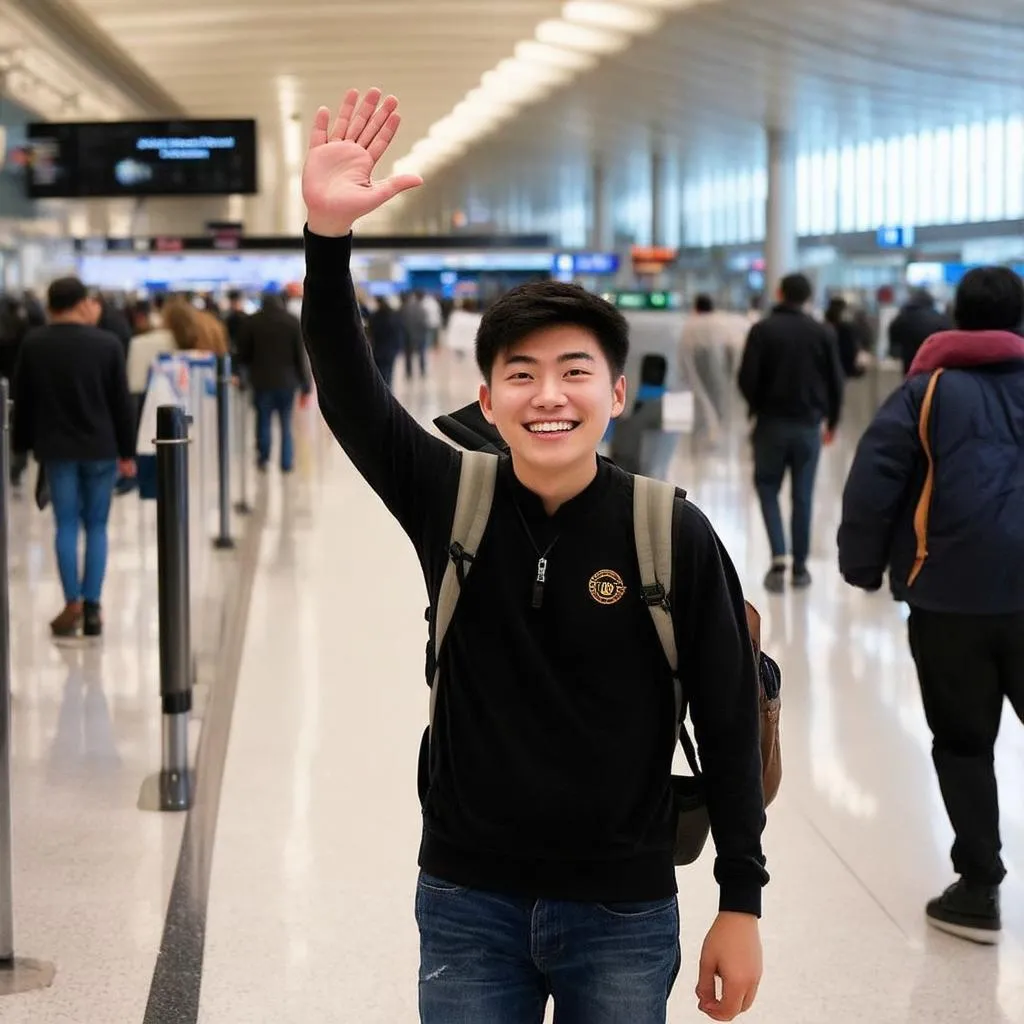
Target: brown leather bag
pixel 771 710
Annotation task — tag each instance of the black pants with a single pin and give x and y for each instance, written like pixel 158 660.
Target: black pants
pixel 967 666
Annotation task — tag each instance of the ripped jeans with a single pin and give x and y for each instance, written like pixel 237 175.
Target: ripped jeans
pixel 492 959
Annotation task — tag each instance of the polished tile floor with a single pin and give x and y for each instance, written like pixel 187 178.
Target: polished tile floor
pixel 311 901
pixel 92 872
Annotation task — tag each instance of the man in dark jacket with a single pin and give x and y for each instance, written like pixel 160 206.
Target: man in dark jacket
pixel 73 410
pixel 936 494
pixel 915 323
pixel 792 380
pixel 270 349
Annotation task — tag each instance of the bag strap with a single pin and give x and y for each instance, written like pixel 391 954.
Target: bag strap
pixel 477 475
pixel 924 504
pixel 654 504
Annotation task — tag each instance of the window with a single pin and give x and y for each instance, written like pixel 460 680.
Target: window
pixel 925 178
pixel 848 189
pixel 943 177
pixel 1014 146
pixel 960 164
pixel 995 170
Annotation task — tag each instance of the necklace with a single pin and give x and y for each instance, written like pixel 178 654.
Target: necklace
pixel 537 600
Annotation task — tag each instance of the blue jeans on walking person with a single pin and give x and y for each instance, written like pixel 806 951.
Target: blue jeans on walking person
pixel 282 402
pixel 780 445
pixel 80 493
pixel 492 959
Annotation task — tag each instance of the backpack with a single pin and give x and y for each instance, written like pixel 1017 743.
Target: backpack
pixel 654 504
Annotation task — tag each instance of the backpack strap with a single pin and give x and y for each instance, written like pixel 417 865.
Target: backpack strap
pixel 924 504
pixel 477 475
pixel 654 505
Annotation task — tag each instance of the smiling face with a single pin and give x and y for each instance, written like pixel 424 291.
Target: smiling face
pixel 551 397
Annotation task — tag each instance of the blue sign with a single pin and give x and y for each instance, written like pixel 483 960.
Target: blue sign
pixel 586 263
pixel 895 238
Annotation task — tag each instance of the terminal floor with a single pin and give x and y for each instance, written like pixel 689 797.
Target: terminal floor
pixel 310 913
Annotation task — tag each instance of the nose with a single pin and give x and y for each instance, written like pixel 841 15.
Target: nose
pixel 549 394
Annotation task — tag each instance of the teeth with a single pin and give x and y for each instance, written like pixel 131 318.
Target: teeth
pixel 550 428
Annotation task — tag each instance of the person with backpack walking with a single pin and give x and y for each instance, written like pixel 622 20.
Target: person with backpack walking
pixel 935 495
pixel 549 823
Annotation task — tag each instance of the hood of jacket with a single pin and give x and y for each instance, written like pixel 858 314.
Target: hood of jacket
pixel 949 350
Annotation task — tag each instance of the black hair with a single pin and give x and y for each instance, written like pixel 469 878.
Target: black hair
pixel 541 304
pixel 704 304
pixel 836 310
pixel 65 293
pixel 989 299
pixel 796 289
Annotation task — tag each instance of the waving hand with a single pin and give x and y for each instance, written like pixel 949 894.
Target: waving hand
pixel 336 181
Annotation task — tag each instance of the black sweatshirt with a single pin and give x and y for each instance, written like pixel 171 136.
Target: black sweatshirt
pixel 554 730
pixel 71 399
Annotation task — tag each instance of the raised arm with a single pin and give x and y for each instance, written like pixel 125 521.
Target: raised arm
pixel 410 469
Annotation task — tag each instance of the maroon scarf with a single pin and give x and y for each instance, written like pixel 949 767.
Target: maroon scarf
pixel 951 350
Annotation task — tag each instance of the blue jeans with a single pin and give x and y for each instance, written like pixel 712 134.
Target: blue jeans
pixel 780 445
pixel 81 492
pixel 492 959
pixel 282 402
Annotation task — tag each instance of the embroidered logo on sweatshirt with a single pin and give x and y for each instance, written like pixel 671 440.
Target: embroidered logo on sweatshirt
pixel 607 587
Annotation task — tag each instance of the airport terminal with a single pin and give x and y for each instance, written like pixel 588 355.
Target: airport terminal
pixel 510 512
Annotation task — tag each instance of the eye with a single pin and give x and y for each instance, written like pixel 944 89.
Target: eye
pixel 522 375
pixel 578 371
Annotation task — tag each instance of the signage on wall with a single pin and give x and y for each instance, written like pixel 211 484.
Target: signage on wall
pixel 895 237
pixel 586 263
pixel 652 259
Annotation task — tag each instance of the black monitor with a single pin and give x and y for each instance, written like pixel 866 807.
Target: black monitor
pixel 110 159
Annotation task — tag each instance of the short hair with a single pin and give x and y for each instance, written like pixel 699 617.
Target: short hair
pixel 704 304
pixel 989 299
pixel 65 293
pixel 796 289
pixel 535 306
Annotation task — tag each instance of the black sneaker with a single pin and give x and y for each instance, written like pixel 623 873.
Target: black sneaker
pixel 775 581
pixel 968 912
pixel 801 578
pixel 92 622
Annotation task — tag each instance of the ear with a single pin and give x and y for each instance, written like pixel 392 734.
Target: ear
pixel 619 398
pixel 486 406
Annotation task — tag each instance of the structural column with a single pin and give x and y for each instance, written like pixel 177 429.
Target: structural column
pixel 600 214
pixel 658 233
pixel 780 248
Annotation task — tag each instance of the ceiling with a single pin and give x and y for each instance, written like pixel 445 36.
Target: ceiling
pixel 700 87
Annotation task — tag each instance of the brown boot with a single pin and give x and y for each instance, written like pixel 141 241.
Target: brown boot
pixel 69 622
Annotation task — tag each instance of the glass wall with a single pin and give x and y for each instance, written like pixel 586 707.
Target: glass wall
pixel 959 175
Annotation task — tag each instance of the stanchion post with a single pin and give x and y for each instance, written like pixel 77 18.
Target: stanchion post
pixel 242 506
pixel 224 540
pixel 172 789
pixel 6 867
pixel 16 975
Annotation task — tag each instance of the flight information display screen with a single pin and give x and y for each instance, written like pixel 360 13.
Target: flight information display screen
pixel 141 158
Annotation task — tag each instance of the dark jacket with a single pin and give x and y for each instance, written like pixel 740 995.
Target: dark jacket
pixel 71 399
pixel 915 323
pixel 790 369
pixel 387 333
pixel 550 760
pixel 270 349
pixel 973 527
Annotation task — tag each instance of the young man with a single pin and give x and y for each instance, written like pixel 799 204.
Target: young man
pixel 546 860
pixel 73 409
pixel 792 380
pixel 945 519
